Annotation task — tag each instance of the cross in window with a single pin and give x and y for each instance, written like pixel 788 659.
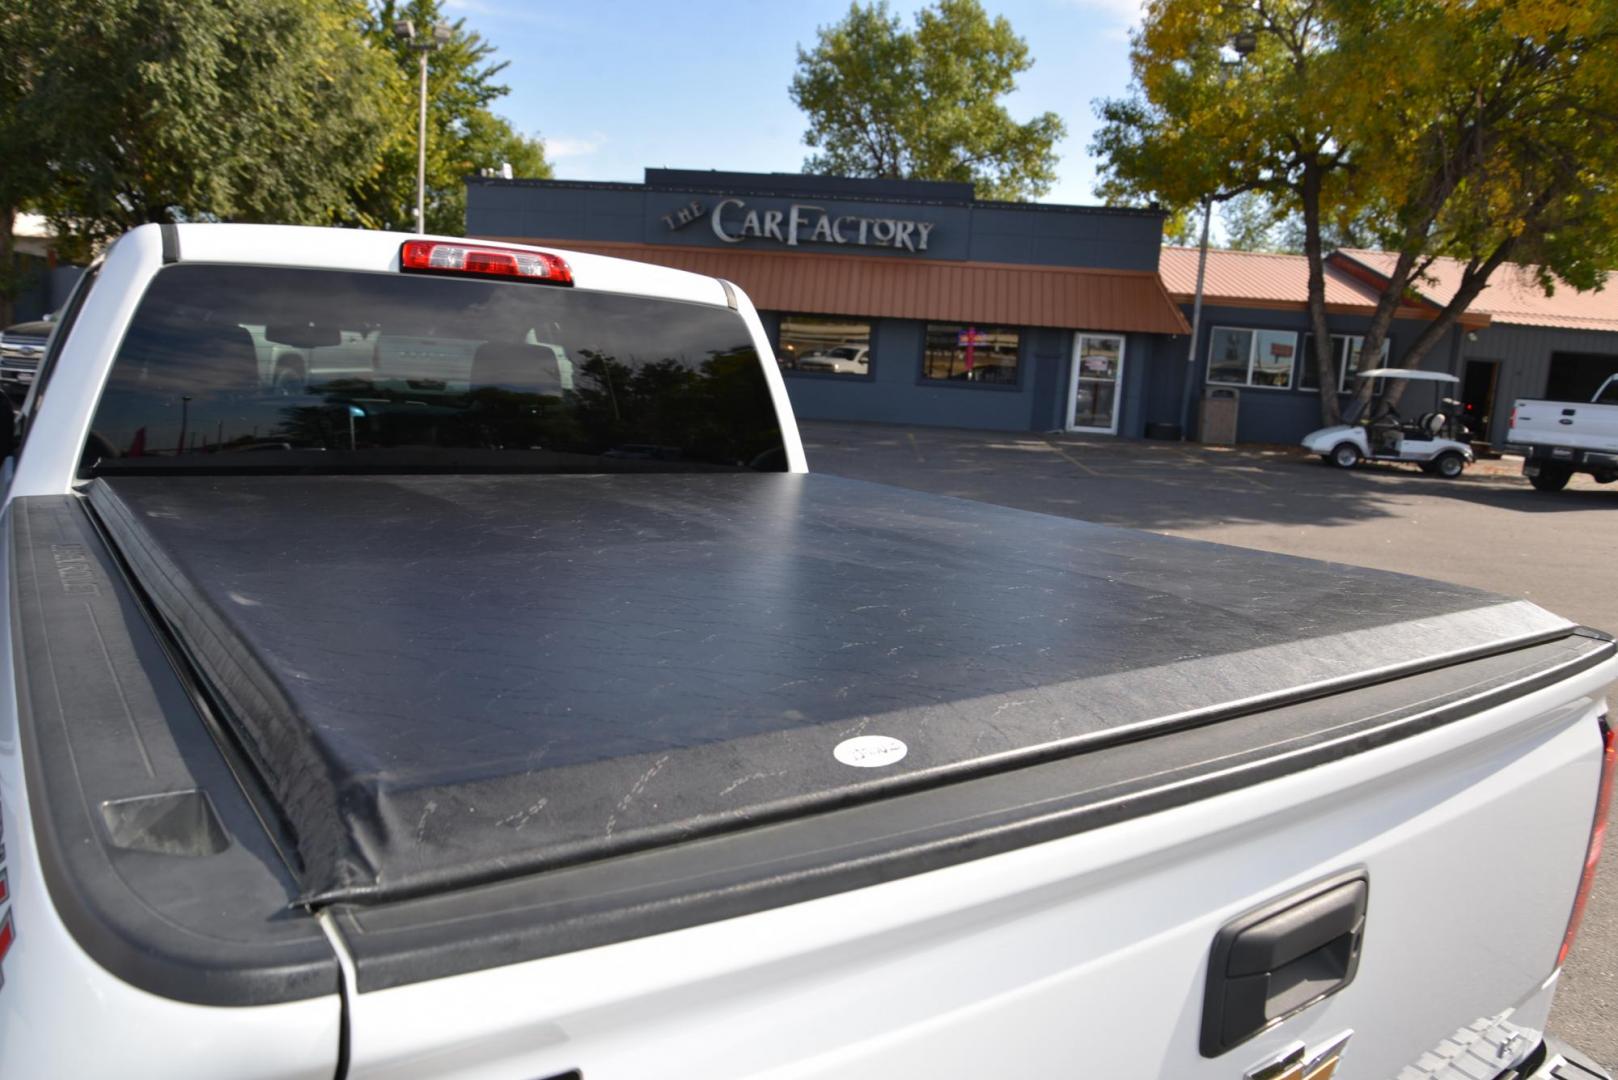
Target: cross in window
pixel 970 337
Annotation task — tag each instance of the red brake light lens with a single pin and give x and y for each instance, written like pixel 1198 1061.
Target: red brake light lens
pixel 1598 836
pixel 483 260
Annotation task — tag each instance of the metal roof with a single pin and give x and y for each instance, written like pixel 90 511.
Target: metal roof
pixel 1130 301
pixel 1242 277
pixel 1512 296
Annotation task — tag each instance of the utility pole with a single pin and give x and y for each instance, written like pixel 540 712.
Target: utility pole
pixel 1243 44
pixel 405 31
pixel 1196 323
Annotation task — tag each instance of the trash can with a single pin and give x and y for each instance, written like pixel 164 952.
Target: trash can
pixel 1216 424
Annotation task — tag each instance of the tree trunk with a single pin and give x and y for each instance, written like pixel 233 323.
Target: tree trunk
pixel 1387 305
pixel 1473 280
pixel 1309 193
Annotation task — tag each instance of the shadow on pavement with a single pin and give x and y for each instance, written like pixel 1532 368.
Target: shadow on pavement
pixel 1167 486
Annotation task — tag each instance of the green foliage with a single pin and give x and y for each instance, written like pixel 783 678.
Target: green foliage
pixel 1251 223
pixel 1486 131
pixel 924 104
pixel 463 135
pixel 23 169
pixel 168 110
pixel 114 113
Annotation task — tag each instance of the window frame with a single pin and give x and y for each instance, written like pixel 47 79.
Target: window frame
pixel 1015 386
pixel 795 373
pixel 1341 361
pixel 1252 354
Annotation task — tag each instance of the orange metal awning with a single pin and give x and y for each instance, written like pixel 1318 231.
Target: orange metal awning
pixel 992 293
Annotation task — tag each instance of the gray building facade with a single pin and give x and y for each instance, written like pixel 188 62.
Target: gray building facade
pixel 895 301
pixel 912 302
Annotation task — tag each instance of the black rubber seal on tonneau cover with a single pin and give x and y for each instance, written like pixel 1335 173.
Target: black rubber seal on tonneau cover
pixel 447 681
pixel 154 860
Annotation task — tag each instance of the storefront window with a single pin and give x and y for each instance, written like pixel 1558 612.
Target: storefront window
pixel 970 353
pixel 1251 357
pixel 828 344
pixel 1345 359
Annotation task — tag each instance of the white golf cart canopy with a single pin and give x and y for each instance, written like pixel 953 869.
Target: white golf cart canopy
pixel 1406 373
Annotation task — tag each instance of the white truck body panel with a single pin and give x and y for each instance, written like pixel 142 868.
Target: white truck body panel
pixel 63 1015
pixel 1581 425
pixel 1084 956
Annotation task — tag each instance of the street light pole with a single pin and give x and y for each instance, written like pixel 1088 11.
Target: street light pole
pixel 1243 44
pixel 421 153
pixel 405 30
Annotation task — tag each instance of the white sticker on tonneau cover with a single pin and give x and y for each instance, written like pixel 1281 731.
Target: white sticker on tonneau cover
pixel 870 751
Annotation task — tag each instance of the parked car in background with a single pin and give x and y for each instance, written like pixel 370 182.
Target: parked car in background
pixel 842 360
pixel 21 346
pixel 1560 438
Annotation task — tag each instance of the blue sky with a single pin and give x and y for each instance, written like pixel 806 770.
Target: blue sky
pixel 614 87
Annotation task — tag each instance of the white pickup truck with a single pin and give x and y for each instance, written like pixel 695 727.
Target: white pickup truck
pixel 469 721
pixel 1560 438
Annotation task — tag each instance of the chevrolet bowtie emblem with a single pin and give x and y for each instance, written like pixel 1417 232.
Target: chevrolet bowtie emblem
pixel 1295 1062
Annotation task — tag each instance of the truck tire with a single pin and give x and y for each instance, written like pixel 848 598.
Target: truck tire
pixel 1345 455
pixel 1551 478
pixel 1449 465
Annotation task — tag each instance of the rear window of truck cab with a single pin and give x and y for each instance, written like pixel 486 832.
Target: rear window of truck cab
pixel 265 369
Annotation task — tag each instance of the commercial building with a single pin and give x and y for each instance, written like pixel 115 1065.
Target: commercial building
pixel 896 301
pixel 913 302
pixel 1514 341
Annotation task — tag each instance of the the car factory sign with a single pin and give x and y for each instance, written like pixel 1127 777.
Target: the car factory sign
pixel 733 221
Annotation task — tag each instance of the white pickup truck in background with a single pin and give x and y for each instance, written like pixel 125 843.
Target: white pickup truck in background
pixel 1560 438
pixel 510 701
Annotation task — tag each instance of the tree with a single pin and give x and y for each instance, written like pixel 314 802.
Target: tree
pixel 1502 148
pixel 924 104
pixel 463 135
pixel 168 110
pixel 1486 133
pixel 19 147
pixel 1251 223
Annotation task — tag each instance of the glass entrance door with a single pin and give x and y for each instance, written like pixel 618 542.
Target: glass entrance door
pixel 1098 369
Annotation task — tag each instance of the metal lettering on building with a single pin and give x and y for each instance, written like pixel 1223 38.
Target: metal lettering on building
pixel 803 223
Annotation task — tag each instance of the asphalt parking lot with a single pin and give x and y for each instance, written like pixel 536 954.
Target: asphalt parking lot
pixel 1488 529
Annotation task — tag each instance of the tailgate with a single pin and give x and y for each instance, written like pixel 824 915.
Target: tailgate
pixel 1085 955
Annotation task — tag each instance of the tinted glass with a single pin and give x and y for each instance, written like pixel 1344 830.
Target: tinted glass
pixel 1272 359
pixel 830 345
pixel 979 354
pixel 1228 354
pixel 1351 360
pixel 235 368
pixel 1345 352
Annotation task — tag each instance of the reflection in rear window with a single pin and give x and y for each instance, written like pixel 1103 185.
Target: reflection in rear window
pixel 236 368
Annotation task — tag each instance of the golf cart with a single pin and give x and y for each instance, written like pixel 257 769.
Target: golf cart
pixel 1435 440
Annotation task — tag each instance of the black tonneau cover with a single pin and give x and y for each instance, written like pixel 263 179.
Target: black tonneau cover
pixel 448 680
